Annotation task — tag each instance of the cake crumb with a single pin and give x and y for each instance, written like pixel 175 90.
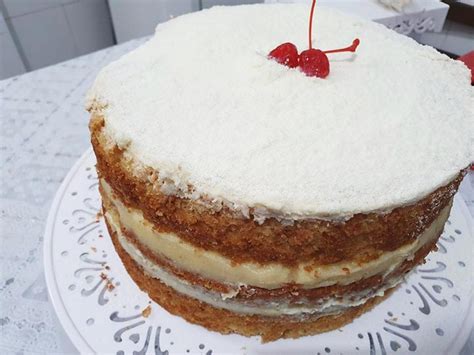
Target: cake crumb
pixel 146 312
pixel 108 283
pixel 99 215
pixel 94 249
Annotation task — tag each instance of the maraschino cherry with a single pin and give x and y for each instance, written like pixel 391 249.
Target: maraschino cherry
pixel 285 54
pixel 312 62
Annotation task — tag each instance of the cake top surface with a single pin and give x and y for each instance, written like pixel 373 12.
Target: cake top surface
pixel 201 103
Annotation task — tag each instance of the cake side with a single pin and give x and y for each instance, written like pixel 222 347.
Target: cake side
pixel 251 280
pixel 318 242
pixel 289 311
pixel 309 283
pixel 228 322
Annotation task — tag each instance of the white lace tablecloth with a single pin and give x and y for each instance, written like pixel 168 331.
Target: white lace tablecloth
pixel 43 132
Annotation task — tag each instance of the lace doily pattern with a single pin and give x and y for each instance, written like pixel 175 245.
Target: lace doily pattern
pixel 43 131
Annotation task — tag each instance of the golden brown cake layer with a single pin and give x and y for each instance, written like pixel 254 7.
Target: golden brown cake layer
pixel 224 321
pixel 269 327
pixel 362 238
pixel 292 292
pixel 212 266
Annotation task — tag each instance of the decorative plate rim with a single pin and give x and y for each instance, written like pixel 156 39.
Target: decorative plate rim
pixel 459 341
pixel 53 290
pixel 81 343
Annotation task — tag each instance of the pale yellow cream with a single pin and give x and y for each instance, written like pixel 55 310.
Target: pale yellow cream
pixel 325 306
pixel 214 266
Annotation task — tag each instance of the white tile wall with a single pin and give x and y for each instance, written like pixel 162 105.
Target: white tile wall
pixel 133 19
pixel 50 31
pixel 10 61
pixel 90 25
pixel 45 37
pixel 23 7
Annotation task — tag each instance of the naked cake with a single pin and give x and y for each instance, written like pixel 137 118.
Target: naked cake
pixel 254 192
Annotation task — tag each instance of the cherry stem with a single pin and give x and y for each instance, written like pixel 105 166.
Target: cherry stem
pixel 351 48
pixel 311 25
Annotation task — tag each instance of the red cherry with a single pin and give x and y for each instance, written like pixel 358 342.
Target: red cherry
pixel 286 54
pixel 313 62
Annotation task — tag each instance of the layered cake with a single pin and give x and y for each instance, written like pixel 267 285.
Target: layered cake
pixel 249 196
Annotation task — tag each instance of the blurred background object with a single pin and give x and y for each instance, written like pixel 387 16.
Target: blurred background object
pixel 395 4
pixel 38 33
pixel 468 60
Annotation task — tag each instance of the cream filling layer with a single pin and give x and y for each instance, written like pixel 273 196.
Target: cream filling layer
pixel 212 265
pixel 323 307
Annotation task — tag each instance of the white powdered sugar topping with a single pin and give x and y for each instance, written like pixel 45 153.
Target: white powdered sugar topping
pixel 201 103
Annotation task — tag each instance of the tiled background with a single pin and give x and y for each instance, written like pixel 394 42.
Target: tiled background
pixel 37 33
pixel 132 21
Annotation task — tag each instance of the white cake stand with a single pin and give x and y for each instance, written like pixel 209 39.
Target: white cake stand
pixel 100 307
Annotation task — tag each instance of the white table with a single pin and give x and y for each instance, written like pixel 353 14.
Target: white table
pixel 43 132
pixel 418 17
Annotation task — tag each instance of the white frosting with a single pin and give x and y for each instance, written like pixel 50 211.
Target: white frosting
pixel 201 103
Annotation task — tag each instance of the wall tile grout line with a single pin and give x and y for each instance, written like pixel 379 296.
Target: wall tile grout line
pixel 73 36
pixel 14 35
pixel 52 6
